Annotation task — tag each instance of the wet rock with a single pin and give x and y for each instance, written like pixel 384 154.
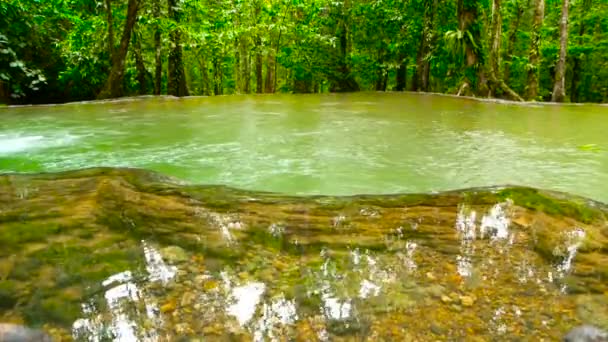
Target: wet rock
pixel 168 307
pixel 437 330
pixel 8 291
pixel 467 301
pixel 18 333
pixel 593 309
pixel 456 308
pixel 187 299
pixel 174 254
pixel 435 291
pixel 586 333
pixel 348 327
pixel 183 329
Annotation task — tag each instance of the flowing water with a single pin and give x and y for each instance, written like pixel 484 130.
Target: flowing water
pixel 321 144
pixel 130 255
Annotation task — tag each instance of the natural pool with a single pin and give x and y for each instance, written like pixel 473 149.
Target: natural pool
pixel 124 254
pixel 321 144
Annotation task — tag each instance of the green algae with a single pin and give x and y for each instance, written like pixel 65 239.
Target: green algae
pixel 576 208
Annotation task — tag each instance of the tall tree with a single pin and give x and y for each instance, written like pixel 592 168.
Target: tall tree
pixel 270 69
pixel 142 72
pixel 533 69
pixel 342 79
pixel 176 76
pixel 114 85
pixel 496 35
pixel 559 89
pixel 259 80
pixel 158 63
pixel 514 29
pixel 110 21
pixel 469 26
pixel 423 65
pixel 577 58
pixel 401 74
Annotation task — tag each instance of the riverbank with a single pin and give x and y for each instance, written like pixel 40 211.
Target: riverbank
pixel 169 97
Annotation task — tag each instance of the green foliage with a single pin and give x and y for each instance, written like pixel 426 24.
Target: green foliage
pixel 57 50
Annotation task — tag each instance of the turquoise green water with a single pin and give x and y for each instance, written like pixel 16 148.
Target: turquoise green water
pixel 321 144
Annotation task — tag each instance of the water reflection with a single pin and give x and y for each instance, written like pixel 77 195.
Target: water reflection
pixel 120 318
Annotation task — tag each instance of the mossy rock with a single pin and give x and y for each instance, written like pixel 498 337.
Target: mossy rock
pixel 9 290
pixel 91 224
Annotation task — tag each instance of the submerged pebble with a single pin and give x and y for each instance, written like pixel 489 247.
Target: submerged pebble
pixel 586 333
pixel 17 333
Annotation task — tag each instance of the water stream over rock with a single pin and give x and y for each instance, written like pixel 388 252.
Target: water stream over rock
pixel 127 254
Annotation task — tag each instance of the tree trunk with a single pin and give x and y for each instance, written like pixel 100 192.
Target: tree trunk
pixel 176 76
pixel 469 25
pixel 142 73
pixel 4 93
pixel 559 89
pixel 304 86
pixel 259 79
pixel 158 72
pixel 343 80
pixel 114 84
pixel 419 61
pixel 206 88
pixel 537 23
pixel 270 67
pixel 218 76
pixel 511 41
pixel 278 48
pixel 402 74
pixel 577 60
pixel 237 67
pixel 422 71
pixel 380 73
pixel 496 34
pixel 245 66
pixel 111 45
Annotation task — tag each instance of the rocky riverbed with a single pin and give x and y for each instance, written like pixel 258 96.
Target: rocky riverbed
pixel 130 255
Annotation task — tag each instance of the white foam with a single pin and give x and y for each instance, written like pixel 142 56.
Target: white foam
pixel 11 144
pixel 409 262
pixel 466 224
pixel 496 223
pixel 279 312
pixel 118 277
pixel 246 299
pixel 368 289
pixel 575 238
pixel 156 267
pixel 336 309
pixel 464 266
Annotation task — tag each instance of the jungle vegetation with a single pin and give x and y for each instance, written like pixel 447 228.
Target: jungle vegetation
pixel 68 50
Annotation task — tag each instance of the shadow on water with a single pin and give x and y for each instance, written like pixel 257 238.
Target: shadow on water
pixel 126 254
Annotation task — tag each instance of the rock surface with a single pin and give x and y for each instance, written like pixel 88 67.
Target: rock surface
pixel 17 333
pixel 86 249
pixel 586 333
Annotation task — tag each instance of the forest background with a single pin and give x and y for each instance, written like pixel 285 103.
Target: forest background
pixel 71 50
